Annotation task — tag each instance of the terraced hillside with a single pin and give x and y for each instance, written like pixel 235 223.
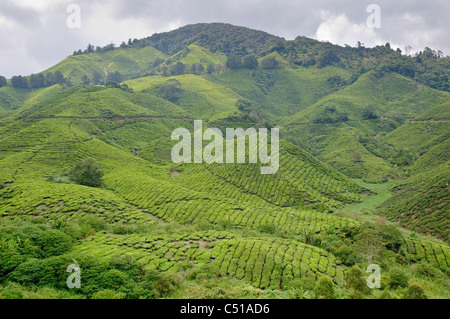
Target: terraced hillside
pixel 156 229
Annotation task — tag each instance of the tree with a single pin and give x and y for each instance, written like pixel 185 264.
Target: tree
pixel 157 62
pixel 354 279
pixel 210 68
pixel 58 77
pixel 85 79
pixel 19 81
pixel 178 69
pixel 114 77
pixel 171 90
pixel 327 57
pixel 96 77
pixel 269 63
pixel 37 80
pixel 88 172
pixel 90 48
pixel 49 79
pixel 368 243
pixel 3 81
pixel 234 62
pixel 369 113
pixel 250 62
pixel 197 68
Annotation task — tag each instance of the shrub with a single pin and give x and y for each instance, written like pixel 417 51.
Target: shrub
pixel 250 62
pixel 369 113
pixel 426 270
pixel 54 242
pixel 233 62
pixel 325 289
pixel 114 279
pixel 88 172
pixel 9 260
pixel 347 255
pixel 268 228
pixel 415 292
pixel 398 278
pixel 171 90
pixel 108 294
pixel 11 293
pixel 355 280
pixel 269 63
pixel 34 272
pixel 3 81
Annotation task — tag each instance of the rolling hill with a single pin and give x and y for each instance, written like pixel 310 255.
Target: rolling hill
pixel 350 120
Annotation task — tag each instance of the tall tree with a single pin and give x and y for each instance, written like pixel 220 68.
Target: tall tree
pixel 37 81
pixel 269 63
pixel 19 81
pixel 96 77
pixel 114 77
pixel 58 77
pixel 178 69
pixel 49 79
pixel 85 79
pixel 250 62
pixel 2 81
pixel 234 62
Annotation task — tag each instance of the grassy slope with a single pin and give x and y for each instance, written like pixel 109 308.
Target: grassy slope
pixel 201 98
pixel 127 61
pixel 141 186
pixel 282 91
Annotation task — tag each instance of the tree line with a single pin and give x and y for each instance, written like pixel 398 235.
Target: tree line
pixel 36 80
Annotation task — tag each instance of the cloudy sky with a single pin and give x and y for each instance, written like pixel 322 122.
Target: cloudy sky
pixel 35 34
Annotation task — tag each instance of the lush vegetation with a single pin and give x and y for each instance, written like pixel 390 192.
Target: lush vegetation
pixel 86 175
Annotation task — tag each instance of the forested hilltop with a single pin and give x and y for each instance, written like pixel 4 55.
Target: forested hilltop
pixel 86 174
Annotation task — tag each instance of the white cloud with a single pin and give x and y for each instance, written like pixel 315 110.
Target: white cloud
pixel 338 29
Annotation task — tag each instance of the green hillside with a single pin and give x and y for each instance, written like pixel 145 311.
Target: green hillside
pixel 86 172
pixel 129 62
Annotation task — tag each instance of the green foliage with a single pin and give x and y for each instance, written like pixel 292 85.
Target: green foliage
pixel 3 81
pixel 327 57
pixel 171 90
pixel 398 278
pixel 250 62
pixel 233 62
pixel 325 289
pixel 178 68
pixel 114 77
pixel 88 172
pixel 19 81
pixel 415 292
pixel 355 279
pixel 268 228
pixel 54 243
pixel 330 115
pixel 368 243
pixel 159 230
pixel 369 113
pixel 269 63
